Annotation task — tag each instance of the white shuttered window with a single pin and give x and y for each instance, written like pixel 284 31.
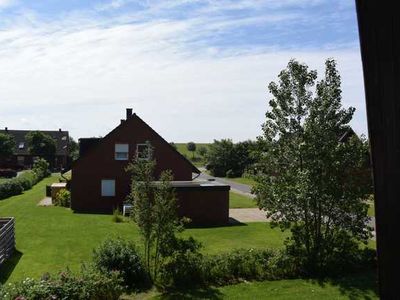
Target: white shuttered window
pixel 121 151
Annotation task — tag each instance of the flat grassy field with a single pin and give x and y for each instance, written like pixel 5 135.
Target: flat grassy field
pixel 198 159
pixel 240 201
pixel 52 238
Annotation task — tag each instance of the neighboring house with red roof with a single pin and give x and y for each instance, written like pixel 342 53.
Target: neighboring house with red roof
pixel 101 184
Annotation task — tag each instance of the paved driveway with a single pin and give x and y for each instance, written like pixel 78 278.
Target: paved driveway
pixel 236 187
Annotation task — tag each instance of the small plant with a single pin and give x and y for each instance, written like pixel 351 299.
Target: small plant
pixel 63 198
pixel 122 256
pixel 116 217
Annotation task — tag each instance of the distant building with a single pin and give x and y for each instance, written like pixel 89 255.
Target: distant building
pixel 23 159
pixel 100 182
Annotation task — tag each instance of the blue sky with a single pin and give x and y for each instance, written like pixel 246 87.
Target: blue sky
pixel 194 70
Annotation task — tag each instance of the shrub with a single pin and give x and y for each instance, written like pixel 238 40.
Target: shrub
pixel 89 284
pixel 63 198
pixel 8 173
pixel 27 179
pixel 41 168
pixel 10 188
pixel 121 255
pixel 116 217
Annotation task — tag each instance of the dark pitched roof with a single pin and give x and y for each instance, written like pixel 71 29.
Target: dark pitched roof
pixel 61 138
pixel 91 143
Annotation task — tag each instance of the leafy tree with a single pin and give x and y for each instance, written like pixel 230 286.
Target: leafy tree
pixel 73 149
pixel 309 181
pixel 191 147
pixel 154 211
pixel 41 144
pixel 203 151
pixel 224 157
pixel 7 145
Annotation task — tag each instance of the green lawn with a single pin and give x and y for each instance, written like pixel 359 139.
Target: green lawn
pixel 371 209
pixel 198 160
pixel 358 286
pixel 52 238
pixel 240 201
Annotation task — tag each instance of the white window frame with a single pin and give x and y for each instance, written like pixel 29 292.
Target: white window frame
pixel 137 151
pixel 121 149
pixel 21 145
pixel 108 187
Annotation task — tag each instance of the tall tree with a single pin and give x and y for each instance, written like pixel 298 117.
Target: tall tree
pixel 191 146
pixel 41 144
pixel 73 149
pixel 7 145
pixel 308 182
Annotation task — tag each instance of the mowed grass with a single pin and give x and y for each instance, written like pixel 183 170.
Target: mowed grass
pixel 357 286
pixel 198 160
pixel 50 239
pixel 240 201
pixel 243 180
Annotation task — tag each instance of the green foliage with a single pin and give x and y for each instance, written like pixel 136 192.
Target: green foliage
pixel 224 158
pixel 7 145
pixel 117 217
pixel 41 144
pixel 203 151
pixel 73 149
pixel 191 146
pixel 154 210
pixel 182 266
pixel 41 168
pixel 28 179
pixel 122 256
pixel 63 198
pixel 310 181
pixel 9 188
pixel 24 181
pixel 89 284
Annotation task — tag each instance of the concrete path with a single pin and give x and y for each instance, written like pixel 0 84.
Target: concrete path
pixel 45 202
pixel 244 215
pixel 240 188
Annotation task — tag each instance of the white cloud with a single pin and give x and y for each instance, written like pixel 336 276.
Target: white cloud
pixel 6 3
pixel 80 75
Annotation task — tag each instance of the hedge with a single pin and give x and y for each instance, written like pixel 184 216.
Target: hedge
pixel 25 181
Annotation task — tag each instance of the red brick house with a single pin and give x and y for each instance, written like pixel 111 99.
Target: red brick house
pixel 101 184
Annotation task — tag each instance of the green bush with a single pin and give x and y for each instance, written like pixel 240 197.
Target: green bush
pixel 116 217
pixel 41 168
pixel 10 188
pixel 182 264
pixel 27 179
pixel 63 198
pixel 122 256
pixel 89 284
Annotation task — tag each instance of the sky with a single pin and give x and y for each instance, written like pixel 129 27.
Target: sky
pixel 193 70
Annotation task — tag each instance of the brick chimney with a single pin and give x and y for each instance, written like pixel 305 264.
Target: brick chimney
pixel 6 128
pixel 129 113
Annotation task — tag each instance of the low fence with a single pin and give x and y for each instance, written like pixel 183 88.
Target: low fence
pixel 7 238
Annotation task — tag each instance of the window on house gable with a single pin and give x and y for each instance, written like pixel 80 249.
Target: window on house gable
pixel 121 151
pixel 21 145
pixel 107 187
pixel 143 151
